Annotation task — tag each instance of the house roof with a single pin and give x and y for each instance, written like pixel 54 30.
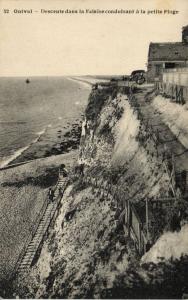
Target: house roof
pixel 168 51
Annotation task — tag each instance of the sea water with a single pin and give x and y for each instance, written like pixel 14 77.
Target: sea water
pixel 28 109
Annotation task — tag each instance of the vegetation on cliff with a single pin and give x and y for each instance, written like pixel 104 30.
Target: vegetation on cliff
pixel 89 254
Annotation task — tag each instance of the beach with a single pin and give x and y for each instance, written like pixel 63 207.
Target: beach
pixel 24 187
pixel 23 191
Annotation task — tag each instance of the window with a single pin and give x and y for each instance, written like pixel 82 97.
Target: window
pixel 169 65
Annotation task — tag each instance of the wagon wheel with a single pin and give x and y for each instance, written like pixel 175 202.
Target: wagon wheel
pixel 140 80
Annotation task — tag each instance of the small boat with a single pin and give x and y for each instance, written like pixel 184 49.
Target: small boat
pixel 27 80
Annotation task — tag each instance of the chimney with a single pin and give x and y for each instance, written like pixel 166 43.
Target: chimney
pixel 185 34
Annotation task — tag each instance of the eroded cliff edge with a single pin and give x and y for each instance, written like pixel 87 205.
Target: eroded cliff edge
pixel 91 252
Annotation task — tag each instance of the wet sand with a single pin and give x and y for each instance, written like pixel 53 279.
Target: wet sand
pixel 58 139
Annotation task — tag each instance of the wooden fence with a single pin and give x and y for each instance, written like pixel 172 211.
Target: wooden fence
pixel 174 85
pixel 141 228
pixel 136 227
pixel 132 223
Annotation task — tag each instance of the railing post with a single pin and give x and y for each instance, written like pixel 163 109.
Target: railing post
pixel 139 238
pixel 147 219
pixel 129 217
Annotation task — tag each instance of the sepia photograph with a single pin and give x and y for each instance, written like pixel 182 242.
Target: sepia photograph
pixel 93 149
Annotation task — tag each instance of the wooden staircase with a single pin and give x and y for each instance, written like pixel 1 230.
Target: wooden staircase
pixel 26 260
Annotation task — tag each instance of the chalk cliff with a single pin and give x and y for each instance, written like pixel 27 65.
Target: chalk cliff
pixel 91 252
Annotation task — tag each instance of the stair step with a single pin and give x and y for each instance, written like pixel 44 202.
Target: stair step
pixel 48 212
pixel 27 259
pixel 41 226
pixel 30 248
pixel 27 256
pixel 43 219
pixel 33 244
pixel 26 262
pixel 37 235
pixel 22 268
pixel 37 240
pixel 34 248
pixel 47 220
pixel 26 266
pixel 32 252
pixel 36 243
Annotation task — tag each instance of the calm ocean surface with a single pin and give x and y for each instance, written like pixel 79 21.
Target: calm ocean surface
pixel 27 110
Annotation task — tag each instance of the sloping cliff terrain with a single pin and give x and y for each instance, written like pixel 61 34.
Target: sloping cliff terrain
pixel 90 252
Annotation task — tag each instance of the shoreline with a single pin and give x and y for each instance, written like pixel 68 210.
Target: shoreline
pixel 65 139
pixel 54 141
pixel 58 137
pixel 9 159
pixel 89 81
pixel 84 82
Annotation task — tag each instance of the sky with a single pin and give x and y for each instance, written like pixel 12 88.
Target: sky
pixel 53 44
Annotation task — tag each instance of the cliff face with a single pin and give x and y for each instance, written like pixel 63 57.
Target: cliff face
pixel 113 143
pixel 88 253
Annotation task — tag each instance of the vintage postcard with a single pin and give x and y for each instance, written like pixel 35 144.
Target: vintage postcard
pixel 94 149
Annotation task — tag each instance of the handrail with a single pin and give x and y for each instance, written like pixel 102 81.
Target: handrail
pixel 175 70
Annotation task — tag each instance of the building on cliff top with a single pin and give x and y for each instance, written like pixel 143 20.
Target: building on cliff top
pixel 167 55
